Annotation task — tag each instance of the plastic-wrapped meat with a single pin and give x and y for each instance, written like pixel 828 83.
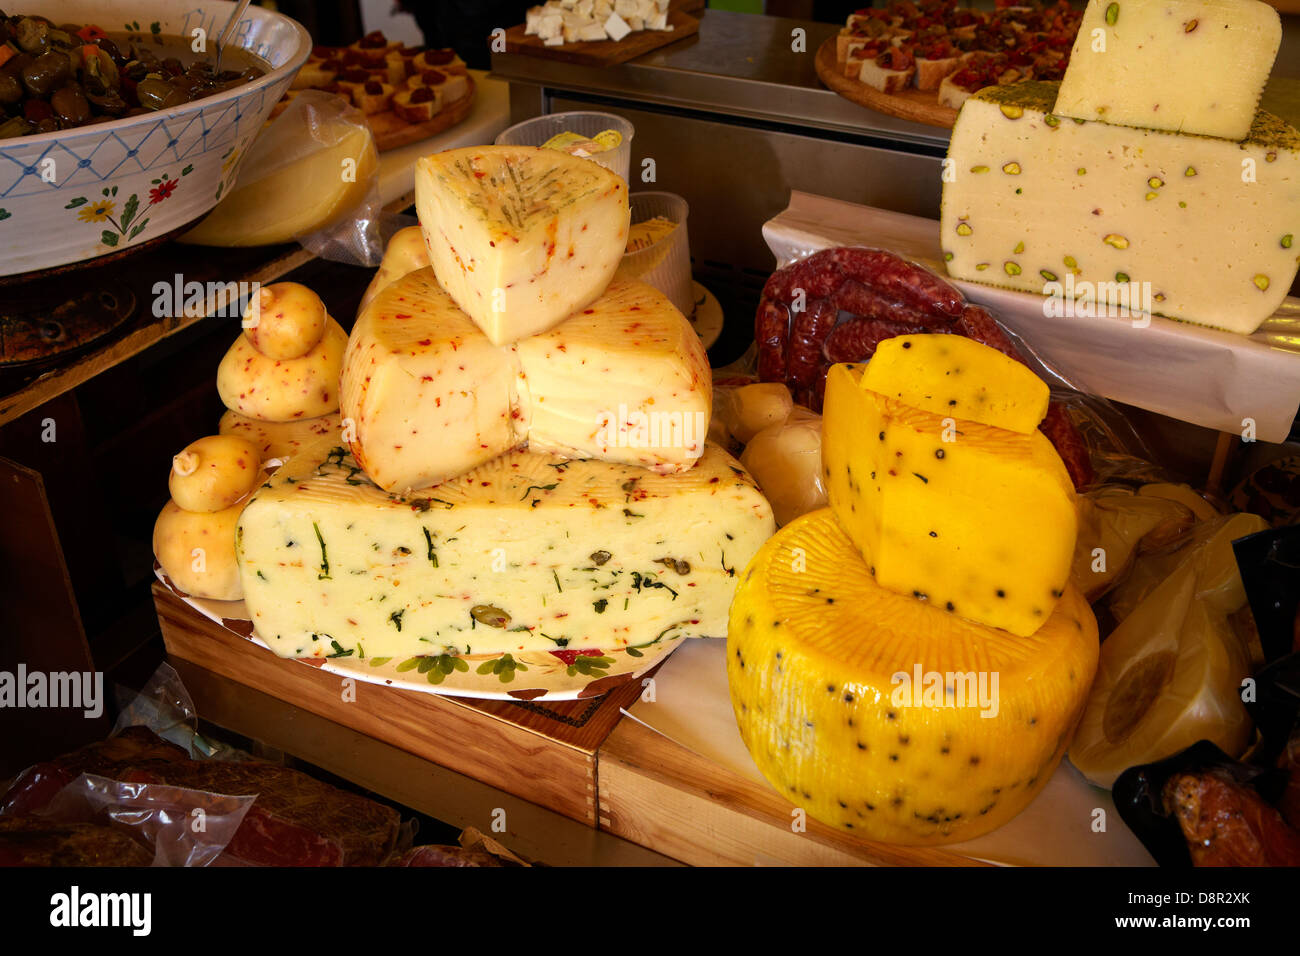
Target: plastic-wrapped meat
pixel 1227 823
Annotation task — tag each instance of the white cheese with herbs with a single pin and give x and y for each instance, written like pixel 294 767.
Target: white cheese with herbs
pixel 1188 227
pixel 1191 66
pixel 526 553
pixel 521 237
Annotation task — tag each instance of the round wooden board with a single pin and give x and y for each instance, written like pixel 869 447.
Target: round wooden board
pixel 919 106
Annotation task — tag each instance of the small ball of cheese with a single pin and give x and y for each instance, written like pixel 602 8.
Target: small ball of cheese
pixel 283 390
pixel 288 320
pixel 213 473
pixel 197 550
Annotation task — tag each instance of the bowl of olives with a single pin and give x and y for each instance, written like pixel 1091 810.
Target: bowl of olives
pixel 121 123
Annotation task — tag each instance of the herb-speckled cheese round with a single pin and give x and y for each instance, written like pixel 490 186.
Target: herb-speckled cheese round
pixel 814 648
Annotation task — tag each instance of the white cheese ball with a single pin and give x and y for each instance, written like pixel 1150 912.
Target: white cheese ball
pixel 197 550
pixel 213 473
pixel 289 320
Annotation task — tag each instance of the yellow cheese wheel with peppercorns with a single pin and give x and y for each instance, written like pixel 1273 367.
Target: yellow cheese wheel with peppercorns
pixel 890 717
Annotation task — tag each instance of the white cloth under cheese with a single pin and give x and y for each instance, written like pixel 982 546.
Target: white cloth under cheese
pixel 527 553
pixel 521 237
pixel 626 379
pixel 1204 228
pixel 1191 66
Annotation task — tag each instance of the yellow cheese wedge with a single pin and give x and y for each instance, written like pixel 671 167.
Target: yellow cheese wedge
pixel 296 199
pixel 625 379
pixel 1171 673
pixel 1190 66
pixel 975 520
pixel 1104 217
pixel 952 375
pixel 885 715
pixel 520 237
pixel 527 553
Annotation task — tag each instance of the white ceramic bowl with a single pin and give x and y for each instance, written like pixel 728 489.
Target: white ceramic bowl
pixel 121 184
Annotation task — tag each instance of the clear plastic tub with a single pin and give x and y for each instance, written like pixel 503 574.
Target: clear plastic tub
pixel 539 129
pixel 665 264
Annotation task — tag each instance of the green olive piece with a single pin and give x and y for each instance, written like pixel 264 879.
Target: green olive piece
pixel 489 615
pixel 46 73
pixel 11 91
pixel 71 105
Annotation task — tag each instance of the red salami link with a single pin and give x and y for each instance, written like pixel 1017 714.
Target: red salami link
pixel 810 329
pixel 1069 444
pixel 771 332
pixel 819 387
pixel 896 278
pixel 856 339
pixel 866 303
pixel 976 323
pixel 817 276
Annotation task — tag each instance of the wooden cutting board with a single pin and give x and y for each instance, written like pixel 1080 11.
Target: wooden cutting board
pixel 605 52
pixel 391 131
pixel 542 752
pixel 919 106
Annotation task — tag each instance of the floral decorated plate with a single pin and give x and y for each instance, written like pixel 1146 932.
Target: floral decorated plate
pixel 549 675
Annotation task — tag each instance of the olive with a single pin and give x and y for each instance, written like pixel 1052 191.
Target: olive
pixel 71 105
pixel 11 91
pixel 173 66
pixel 17 64
pixel 47 125
pixel 152 91
pixel 32 35
pixel 14 126
pixel 46 73
pixel 109 47
pixel 110 102
pixel 176 97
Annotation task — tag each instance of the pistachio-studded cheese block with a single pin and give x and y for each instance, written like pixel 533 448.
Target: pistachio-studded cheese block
pixel 977 521
pixel 430 397
pixel 1191 66
pixel 521 237
pixel 626 379
pixel 887 716
pixel 528 552
pixel 427 395
pixel 952 375
pixel 1183 226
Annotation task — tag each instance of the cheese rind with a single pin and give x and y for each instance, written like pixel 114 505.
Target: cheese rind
pixel 1191 66
pixel 526 553
pixel 977 520
pixel 1187 227
pixel 427 395
pixel 625 379
pixel 520 237
pixel 886 716
pixel 956 376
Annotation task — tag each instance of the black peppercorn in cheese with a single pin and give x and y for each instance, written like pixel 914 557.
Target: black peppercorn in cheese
pixel 527 552
pixel 1104 216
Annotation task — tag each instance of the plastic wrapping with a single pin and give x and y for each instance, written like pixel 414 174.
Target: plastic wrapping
pixel 183 827
pixel 287 180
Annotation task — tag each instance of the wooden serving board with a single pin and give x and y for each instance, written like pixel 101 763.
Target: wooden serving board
pixel 919 106
pixel 605 52
pixel 391 131
pixel 541 752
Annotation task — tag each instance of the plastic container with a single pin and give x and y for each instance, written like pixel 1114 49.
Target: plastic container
pixel 539 129
pixel 666 264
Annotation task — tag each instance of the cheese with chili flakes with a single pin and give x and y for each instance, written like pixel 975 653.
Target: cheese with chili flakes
pixel 525 553
pixel 520 237
pixel 426 396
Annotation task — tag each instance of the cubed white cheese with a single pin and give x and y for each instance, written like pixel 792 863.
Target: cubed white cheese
pixel 616 27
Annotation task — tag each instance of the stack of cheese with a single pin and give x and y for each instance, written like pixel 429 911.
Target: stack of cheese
pixel 1148 180
pixel 911 663
pixel 279 382
pixel 433 531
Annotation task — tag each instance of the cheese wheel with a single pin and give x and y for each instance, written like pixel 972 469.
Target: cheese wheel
pixel 887 716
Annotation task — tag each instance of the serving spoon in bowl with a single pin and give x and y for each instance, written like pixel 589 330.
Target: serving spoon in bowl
pixel 229 29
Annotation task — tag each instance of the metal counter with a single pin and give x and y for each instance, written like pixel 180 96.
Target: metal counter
pixel 733 119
